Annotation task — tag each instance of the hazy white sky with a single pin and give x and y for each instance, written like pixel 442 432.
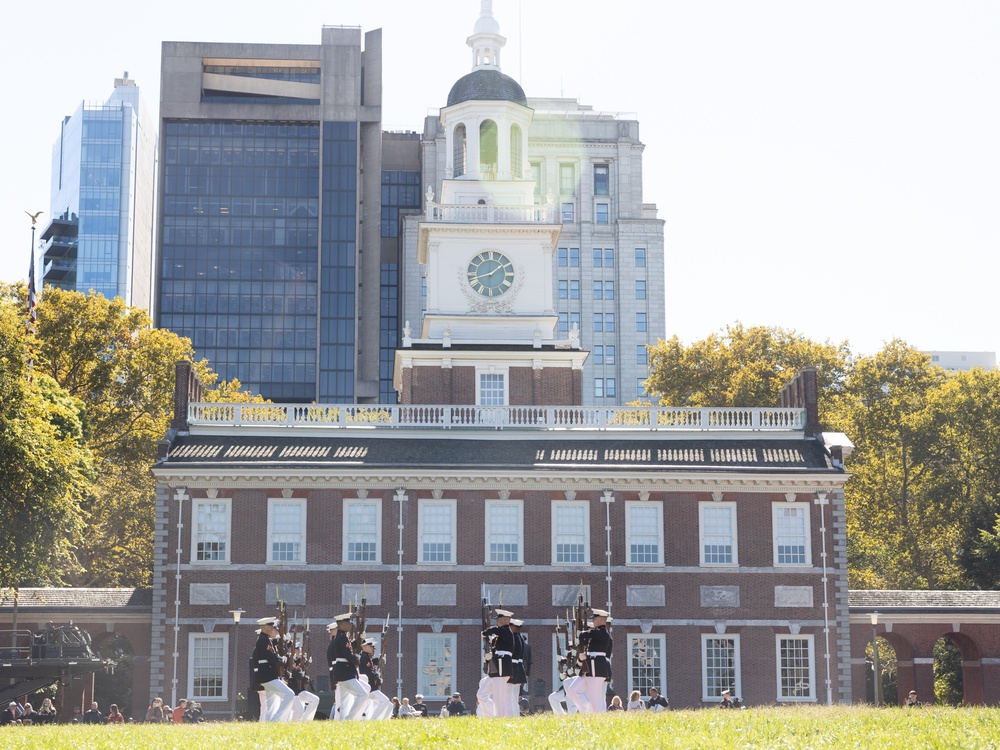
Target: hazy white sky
pixel 832 167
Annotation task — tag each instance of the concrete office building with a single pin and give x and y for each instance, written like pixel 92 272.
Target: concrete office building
pixel 270 197
pixel 100 235
pixel 607 268
pixel 956 361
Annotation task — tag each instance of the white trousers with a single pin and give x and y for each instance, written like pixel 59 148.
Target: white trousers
pixel 504 702
pixel 304 706
pixel 576 694
pixel 352 699
pixel 559 697
pixel 279 701
pixel 597 694
pixel 379 706
pixel 484 699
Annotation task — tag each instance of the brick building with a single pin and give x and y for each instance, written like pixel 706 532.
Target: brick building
pixel 715 536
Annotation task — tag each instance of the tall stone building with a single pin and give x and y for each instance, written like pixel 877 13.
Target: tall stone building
pixel 269 232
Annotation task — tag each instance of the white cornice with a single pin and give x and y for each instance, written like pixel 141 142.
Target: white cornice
pixel 493 480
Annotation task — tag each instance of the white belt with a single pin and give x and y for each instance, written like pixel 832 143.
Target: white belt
pixel 596 653
pixel 340 661
pixel 517 661
pixel 504 653
pixel 263 661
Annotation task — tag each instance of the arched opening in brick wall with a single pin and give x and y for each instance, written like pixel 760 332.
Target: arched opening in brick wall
pixel 957 670
pixel 888 670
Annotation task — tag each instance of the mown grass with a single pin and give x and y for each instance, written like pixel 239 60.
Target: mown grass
pixel 792 727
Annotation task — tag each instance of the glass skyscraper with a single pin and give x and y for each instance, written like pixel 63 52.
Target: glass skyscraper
pixel 101 228
pixel 270 195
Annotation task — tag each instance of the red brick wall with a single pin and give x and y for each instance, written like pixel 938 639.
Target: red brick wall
pixel 552 386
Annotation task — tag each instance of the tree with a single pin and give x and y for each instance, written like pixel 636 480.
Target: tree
pixel 108 360
pixel 46 469
pixel 741 367
pixel 895 537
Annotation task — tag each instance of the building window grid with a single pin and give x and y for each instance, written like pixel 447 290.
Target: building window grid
pixel 604 257
pixel 602 182
pixel 567 179
pixel 640 322
pixel 437 532
pixel 645 533
pixel 569 257
pixel 492 389
pixel 504 532
pixel 208 666
pixel 211 530
pixel 791 534
pixel 286 526
pixel 362 525
pixel 640 257
pixel 570 538
pixel 646 664
pixel 601 214
pixel 720 665
pixel 640 289
pixel 718 534
pixel 796 668
pixel 436 665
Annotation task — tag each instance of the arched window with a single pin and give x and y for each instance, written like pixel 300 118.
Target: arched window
pixel 488 149
pixel 458 155
pixel 516 156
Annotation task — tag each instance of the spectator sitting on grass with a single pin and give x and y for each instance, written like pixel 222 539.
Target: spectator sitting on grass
pixel 115 716
pixel 656 701
pixel 616 704
pixel 94 715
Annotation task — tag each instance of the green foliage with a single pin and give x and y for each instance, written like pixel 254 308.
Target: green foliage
pixel 785 727
pixel 948 688
pixel 104 383
pixel 46 469
pixel 741 367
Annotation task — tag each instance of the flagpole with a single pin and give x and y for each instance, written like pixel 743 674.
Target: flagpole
pixel 32 299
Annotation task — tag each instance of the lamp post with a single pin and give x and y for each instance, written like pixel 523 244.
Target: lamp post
pixel 876 677
pixel 236 613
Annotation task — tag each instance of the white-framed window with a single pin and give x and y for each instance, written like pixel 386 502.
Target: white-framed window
pixel 286 531
pixel 567 179
pixel 792 538
pixel 362 531
pixel 640 289
pixel 491 386
pixel 208 666
pixel 640 257
pixel 436 664
pixel 504 532
pixel 645 670
pixel 601 213
pixel 570 532
pixel 640 322
pixel 720 666
pixel 644 531
pixel 796 668
pixel 211 530
pixel 436 524
pixel 641 354
pixel 568 212
pixel 602 179
pixel 717 532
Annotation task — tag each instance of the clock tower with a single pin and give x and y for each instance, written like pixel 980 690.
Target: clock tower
pixel 485 245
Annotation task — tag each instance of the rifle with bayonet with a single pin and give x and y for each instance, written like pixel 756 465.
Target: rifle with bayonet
pixel 486 614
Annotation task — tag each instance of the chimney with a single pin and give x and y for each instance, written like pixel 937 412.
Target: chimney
pixel 802 392
pixel 187 390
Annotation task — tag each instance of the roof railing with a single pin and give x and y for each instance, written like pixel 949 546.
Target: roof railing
pixel 403 417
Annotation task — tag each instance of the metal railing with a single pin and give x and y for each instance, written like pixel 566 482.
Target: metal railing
pixel 624 418
pixel 489 213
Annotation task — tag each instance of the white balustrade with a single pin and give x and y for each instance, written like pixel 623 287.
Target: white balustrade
pixel 602 418
pixel 489 213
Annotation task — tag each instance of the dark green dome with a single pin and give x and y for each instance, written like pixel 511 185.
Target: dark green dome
pixel 486 85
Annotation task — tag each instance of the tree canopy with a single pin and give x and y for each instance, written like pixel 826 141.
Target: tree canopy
pixel 923 500
pixel 104 376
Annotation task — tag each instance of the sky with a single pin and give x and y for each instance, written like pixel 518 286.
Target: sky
pixel 827 167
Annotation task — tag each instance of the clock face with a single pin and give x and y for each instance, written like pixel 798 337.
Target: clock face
pixel 491 273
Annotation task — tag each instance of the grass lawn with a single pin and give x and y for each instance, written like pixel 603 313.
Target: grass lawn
pixel 787 727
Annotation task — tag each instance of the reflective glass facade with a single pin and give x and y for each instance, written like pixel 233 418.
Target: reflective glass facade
pixel 339 262
pixel 238 260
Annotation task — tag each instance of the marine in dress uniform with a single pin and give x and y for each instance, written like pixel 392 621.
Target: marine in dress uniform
pixel 501 637
pixel 351 693
pixel 379 706
pixel 597 641
pixel 563 695
pixel 277 705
